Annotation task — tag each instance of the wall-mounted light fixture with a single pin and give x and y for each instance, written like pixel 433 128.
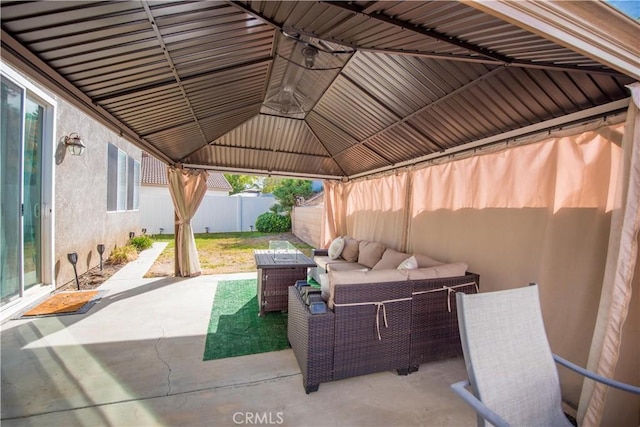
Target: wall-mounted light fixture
pixel 74 144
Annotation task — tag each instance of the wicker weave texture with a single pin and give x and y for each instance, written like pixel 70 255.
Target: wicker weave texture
pixel 434 318
pixel 274 284
pixel 312 338
pixel 359 350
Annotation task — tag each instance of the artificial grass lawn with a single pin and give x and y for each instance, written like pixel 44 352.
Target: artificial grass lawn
pixel 235 329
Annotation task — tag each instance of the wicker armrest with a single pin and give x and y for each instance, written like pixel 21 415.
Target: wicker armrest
pixel 434 324
pixel 372 328
pixel 312 339
pixel 319 252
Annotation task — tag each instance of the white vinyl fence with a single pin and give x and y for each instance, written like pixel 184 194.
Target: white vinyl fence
pixel 219 213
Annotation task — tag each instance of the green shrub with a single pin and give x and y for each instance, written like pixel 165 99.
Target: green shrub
pixel 269 222
pixel 141 242
pixel 123 255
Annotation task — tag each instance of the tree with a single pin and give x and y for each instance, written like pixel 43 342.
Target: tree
pixel 269 184
pixel 239 183
pixel 290 190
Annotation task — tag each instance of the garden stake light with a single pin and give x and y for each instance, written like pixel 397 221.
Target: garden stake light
pixel 100 251
pixel 73 259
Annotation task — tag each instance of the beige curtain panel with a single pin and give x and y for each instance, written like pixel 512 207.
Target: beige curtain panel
pixel 187 188
pixel 536 211
pixel 618 286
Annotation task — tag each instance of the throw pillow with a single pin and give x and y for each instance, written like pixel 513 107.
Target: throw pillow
pixel 390 260
pixel 408 264
pixel 350 251
pixel 370 253
pixel 426 261
pixel 335 248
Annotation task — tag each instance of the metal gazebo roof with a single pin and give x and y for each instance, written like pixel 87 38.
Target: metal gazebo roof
pixel 325 89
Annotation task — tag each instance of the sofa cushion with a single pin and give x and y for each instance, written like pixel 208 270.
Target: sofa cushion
pixel 324 261
pixel 337 278
pixel 390 259
pixel 335 248
pixel 350 251
pixel 370 253
pixel 444 270
pixel 425 261
pixel 408 264
pixel 346 266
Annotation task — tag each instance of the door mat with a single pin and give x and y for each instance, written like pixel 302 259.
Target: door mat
pixel 74 302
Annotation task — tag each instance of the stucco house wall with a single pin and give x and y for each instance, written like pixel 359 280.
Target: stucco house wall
pixel 81 217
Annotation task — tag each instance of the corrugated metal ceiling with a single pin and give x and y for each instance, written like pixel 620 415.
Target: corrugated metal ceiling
pixel 224 84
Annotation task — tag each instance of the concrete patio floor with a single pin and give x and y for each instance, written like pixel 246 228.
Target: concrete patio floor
pixel 135 359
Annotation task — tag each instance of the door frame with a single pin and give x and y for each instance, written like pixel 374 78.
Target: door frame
pixel 47 216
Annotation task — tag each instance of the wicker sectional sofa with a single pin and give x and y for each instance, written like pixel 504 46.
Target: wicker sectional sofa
pixel 378 320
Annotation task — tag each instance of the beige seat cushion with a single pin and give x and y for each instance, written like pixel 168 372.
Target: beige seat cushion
pixel 445 270
pixel 390 259
pixel 350 250
pixel 341 278
pixel 370 253
pixel 346 266
pixel 323 261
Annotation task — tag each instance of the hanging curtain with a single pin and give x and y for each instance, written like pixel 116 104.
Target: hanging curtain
pixel 618 278
pixel 334 212
pixel 187 188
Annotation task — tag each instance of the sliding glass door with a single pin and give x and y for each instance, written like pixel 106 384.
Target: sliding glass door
pixel 21 160
pixel 10 187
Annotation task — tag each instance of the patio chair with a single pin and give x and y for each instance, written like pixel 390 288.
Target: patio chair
pixel 509 362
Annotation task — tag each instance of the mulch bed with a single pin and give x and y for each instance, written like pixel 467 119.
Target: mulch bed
pixel 92 278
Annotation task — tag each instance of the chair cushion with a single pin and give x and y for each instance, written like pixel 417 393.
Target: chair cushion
pixel 445 270
pixel 390 259
pixel 358 277
pixel 335 248
pixel 350 251
pixel 324 261
pixel 370 253
pixel 346 266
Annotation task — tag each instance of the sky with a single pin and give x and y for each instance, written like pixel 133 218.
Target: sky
pixel 630 7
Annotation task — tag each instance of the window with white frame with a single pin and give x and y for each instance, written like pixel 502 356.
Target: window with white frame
pixel 123 180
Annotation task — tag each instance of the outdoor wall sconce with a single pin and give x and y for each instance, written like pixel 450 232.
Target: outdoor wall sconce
pixel 251 227
pixel 73 259
pixel 206 230
pixel 100 251
pixel 144 231
pixel 74 144
pixel 161 230
pixel 132 234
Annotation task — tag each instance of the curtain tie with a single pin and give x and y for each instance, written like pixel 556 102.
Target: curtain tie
pixel 379 305
pixel 450 290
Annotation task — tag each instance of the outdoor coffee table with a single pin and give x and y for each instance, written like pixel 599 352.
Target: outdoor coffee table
pixel 276 275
